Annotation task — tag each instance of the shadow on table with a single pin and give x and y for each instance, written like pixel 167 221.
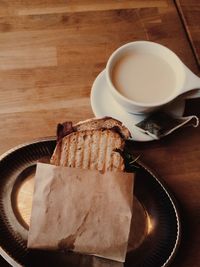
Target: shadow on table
pixel 190 237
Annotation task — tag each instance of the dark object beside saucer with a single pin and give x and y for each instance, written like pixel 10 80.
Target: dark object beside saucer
pixel 156 249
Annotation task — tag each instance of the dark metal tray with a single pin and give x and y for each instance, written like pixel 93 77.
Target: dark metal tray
pixel 155 231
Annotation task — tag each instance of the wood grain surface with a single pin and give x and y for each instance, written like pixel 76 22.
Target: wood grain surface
pixel 189 11
pixel 50 53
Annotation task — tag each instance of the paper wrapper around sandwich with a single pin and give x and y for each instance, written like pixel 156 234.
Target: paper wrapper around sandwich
pixel 85 211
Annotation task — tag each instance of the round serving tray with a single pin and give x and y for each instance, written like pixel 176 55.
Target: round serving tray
pixel 155 229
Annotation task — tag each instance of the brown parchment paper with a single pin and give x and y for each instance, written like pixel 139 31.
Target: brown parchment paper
pixel 81 210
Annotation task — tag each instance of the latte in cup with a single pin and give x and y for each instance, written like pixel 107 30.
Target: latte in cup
pixel 143 77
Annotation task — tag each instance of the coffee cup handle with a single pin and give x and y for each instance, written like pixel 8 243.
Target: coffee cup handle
pixel 192 82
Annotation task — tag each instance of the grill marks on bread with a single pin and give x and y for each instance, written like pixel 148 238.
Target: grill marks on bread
pixel 90 149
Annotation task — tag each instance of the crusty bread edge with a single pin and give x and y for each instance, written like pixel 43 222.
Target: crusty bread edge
pixel 103 118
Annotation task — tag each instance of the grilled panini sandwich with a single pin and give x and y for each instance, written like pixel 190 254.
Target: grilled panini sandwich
pixel 92 144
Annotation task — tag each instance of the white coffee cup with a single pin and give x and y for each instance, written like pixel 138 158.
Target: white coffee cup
pixel 185 79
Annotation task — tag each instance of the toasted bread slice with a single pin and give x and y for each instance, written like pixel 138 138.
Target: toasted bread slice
pixel 103 123
pixel 90 149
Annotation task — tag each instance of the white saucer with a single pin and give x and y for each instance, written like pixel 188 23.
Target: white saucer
pixel 103 104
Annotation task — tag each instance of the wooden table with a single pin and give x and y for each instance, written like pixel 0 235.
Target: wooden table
pixel 50 53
